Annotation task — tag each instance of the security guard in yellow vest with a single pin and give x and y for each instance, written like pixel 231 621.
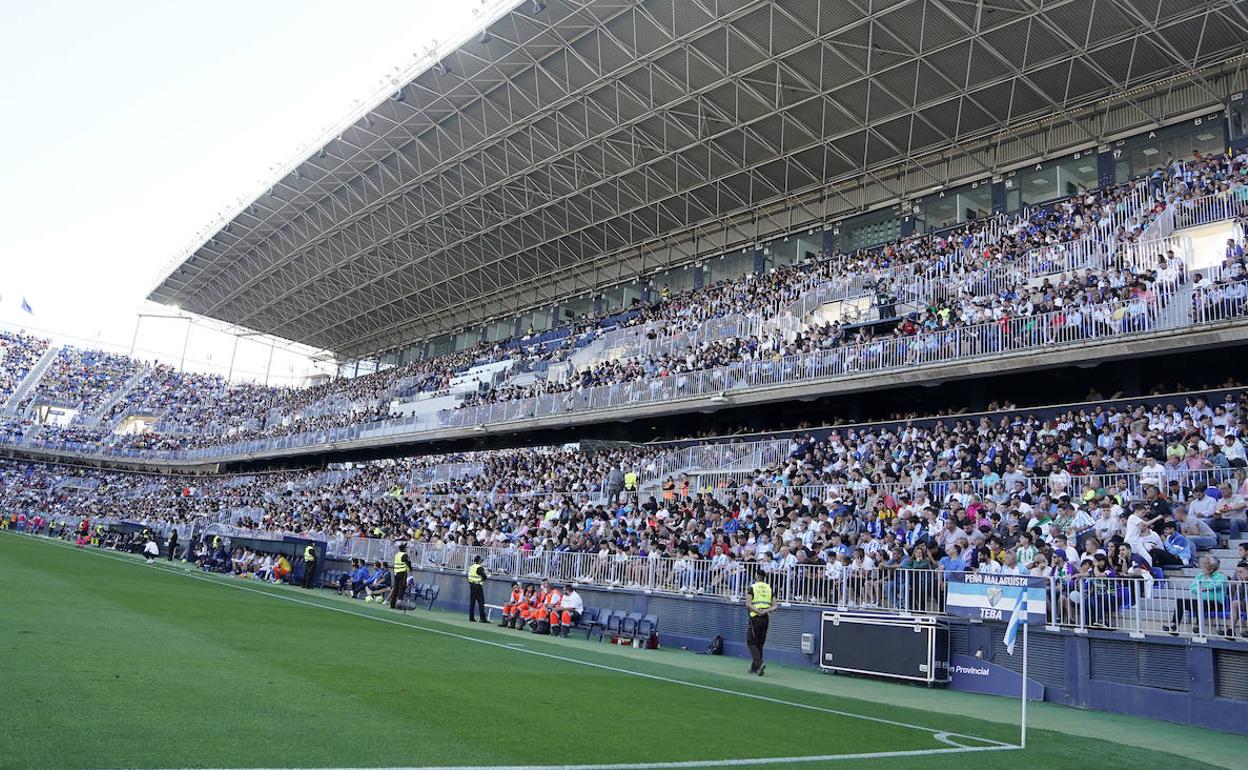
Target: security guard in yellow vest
pixel 309 564
pixel 476 590
pixel 761 605
pixel 402 568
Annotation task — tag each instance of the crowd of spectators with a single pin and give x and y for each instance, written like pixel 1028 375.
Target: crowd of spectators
pixel 182 400
pixel 1059 273
pixel 1157 482
pixel 18 355
pixel 82 379
pixel 985 272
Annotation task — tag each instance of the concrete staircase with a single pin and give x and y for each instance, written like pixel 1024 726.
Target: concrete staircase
pixel 1154 612
pixel 712 463
pixel 93 420
pixel 31 381
pixel 1178 310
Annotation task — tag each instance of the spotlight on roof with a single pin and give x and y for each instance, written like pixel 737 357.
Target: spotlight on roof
pixel 538 6
pixel 441 69
pixel 399 96
pixel 486 37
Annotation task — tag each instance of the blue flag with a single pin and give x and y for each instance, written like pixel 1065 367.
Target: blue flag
pixel 1017 618
pixel 26 306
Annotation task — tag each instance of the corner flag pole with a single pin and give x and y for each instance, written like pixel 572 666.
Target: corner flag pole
pixel 1022 743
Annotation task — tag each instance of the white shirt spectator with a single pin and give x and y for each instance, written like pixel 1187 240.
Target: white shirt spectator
pixel 1202 507
pixel 1154 473
pixel 1106 527
pixel 990 566
pixel 572 601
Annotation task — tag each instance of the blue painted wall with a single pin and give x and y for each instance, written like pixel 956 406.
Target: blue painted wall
pixel 1204 685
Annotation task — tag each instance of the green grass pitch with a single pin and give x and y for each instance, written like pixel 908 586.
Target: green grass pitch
pixel 109 663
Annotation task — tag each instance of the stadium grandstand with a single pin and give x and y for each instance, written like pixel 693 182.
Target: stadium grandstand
pixel 653 302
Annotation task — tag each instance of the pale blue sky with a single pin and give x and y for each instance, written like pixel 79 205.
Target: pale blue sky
pixel 128 125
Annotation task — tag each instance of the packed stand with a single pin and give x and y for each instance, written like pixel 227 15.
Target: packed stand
pixel 18 355
pixel 82 379
pixel 1120 492
pixel 1062 273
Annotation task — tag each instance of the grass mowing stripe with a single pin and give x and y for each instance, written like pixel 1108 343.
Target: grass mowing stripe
pixel 694 763
pixel 277 593
pixel 164 672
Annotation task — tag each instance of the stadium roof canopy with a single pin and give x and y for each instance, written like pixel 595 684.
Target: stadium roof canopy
pixel 587 143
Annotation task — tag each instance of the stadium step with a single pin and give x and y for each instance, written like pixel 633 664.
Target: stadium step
pixel 93 420
pixel 32 379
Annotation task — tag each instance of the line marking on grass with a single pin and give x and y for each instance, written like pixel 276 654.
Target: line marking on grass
pixel 948 738
pixel 692 763
pixel 276 593
pixel 601 666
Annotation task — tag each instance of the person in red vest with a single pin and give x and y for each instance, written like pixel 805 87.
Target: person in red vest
pixel 540 614
pixel 524 613
pixel 554 600
pixel 513 605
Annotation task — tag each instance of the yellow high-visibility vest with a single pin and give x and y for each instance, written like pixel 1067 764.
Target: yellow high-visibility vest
pixel 761 598
pixel 476 574
pixel 400 562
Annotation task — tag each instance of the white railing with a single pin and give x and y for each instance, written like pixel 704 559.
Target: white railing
pixel 943 346
pixel 1137 605
pixel 943 490
pixel 1223 301
pixel 1207 209
pixel 961 343
pixel 1140 604
pixel 1143 604
pixel 1074 326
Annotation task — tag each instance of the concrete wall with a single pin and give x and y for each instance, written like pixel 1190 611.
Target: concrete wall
pixel 1205 685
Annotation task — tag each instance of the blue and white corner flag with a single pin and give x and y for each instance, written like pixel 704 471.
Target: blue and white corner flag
pixel 26 306
pixel 1017 618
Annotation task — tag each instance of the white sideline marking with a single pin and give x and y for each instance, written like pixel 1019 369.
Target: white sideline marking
pixel 939 735
pixel 693 763
pixel 602 666
pixel 948 738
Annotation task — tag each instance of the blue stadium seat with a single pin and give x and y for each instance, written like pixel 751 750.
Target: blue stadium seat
pixel 588 618
pixel 600 623
pixel 614 624
pixel 628 626
pixel 648 625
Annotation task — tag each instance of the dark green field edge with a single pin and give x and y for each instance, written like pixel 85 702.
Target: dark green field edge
pixel 667 722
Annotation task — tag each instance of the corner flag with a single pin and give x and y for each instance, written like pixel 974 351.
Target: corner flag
pixel 26 306
pixel 1017 618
